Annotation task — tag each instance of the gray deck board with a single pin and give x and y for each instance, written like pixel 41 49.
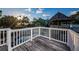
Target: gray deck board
pixel 43 44
pixel 3 48
pixel 53 43
pixel 39 44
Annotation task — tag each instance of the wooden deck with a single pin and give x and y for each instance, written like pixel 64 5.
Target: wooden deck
pixel 4 48
pixel 40 44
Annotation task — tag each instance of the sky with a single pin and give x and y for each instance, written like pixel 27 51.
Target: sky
pixel 45 13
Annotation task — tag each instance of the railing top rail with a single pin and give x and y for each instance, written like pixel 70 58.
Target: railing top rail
pixel 1 29
pixel 54 28
pixel 34 28
pixel 71 32
pixel 74 32
pixel 13 30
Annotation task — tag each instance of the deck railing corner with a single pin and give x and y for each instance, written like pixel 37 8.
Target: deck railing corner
pixel 17 37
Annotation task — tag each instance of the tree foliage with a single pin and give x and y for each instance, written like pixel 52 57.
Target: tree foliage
pixel 39 22
pixel 13 22
pixel 7 21
pixel 75 18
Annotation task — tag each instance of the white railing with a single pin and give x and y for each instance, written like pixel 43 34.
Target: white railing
pixel 73 42
pixel 55 34
pixel 3 36
pixel 21 36
pixel 17 37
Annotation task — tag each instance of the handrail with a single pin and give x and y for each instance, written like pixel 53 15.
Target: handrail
pixel 24 29
pixel 16 37
pixel 54 28
pixel 1 29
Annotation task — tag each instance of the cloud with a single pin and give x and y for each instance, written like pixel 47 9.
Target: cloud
pixel 39 11
pixel 73 12
pixel 30 17
pixel 28 9
pixel 15 13
pixel 45 15
pixel 21 14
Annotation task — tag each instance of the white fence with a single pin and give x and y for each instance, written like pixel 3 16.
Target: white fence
pixel 21 36
pixel 73 40
pixel 15 38
pixel 55 34
pixel 3 36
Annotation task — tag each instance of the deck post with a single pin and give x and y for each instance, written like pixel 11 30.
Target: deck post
pixel 9 39
pixel 76 41
pixel 31 33
pixel 39 31
pixel 49 33
pixel 70 40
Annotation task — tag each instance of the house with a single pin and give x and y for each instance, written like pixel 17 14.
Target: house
pixel 60 19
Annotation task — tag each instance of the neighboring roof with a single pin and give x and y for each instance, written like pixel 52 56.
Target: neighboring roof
pixel 59 16
pixel 75 16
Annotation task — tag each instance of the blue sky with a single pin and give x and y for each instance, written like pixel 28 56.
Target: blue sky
pixel 45 13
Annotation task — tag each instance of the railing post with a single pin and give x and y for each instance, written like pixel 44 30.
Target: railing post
pixel 70 38
pixel 74 43
pixel 49 33
pixel 39 31
pixel 9 39
pixel 31 33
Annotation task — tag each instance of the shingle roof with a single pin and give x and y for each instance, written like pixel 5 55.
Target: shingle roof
pixel 59 16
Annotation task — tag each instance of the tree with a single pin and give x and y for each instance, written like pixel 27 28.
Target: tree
pixel 8 21
pixel 39 22
pixel 75 18
pixel 24 22
pixel 13 22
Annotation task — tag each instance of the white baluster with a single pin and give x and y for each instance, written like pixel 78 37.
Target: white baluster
pixel 58 34
pixel 9 40
pixel 39 31
pixel 22 35
pixel 19 37
pixel 3 37
pixel 16 37
pixel 49 33
pixel 31 33
pixel 65 37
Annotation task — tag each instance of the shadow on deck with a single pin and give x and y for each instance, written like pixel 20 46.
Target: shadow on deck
pixel 40 44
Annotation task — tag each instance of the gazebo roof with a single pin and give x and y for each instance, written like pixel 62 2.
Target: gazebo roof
pixel 59 16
